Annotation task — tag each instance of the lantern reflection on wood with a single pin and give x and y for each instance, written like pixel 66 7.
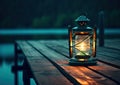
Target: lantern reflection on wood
pixel 82 46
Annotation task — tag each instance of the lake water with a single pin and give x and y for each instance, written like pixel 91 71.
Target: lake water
pixel 63 31
pixel 7 52
pixel 6 63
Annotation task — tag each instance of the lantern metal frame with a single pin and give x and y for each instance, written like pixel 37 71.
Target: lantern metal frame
pixel 85 59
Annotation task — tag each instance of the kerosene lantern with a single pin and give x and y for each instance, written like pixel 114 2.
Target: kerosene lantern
pixel 82 43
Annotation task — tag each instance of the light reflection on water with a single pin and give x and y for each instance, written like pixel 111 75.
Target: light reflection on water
pixel 6 63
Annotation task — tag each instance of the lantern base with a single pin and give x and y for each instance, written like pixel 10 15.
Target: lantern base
pixel 75 62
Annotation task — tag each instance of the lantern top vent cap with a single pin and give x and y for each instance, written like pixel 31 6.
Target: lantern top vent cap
pixel 82 18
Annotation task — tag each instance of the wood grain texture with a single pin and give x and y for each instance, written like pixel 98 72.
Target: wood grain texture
pixel 44 72
pixel 48 61
pixel 101 68
pixel 104 54
pixel 83 75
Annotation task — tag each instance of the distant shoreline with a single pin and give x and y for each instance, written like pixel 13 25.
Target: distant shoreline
pixel 56 31
pixel 10 35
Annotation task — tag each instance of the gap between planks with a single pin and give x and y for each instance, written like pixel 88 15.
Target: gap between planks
pixel 62 61
pixel 111 72
pixel 43 71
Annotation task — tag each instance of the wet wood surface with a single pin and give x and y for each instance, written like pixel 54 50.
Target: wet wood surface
pixel 48 62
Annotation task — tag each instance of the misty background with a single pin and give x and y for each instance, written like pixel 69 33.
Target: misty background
pixel 47 19
pixel 56 13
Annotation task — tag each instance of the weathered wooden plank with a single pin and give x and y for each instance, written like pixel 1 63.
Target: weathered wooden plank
pixel 43 71
pixel 101 54
pixel 82 75
pixel 111 72
pixel 109 49
pixel 113 43
pixel 58 46
pixel 105 70
pixel 108 60
pixel 109 52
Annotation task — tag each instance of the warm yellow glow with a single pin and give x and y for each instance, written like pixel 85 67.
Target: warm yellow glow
pixel 94 43
pixel 70 38
pixel 81 59
pixel 84 79
pixel 83 82
pixel 83 48
pixel 70 43
pixel 81 33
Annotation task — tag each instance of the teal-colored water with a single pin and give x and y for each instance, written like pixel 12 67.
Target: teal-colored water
pixel 62 31
pixel 32 31
pixel 7 77
pixel 7 52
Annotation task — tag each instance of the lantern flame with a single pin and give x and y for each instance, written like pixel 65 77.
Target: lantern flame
pixel 83 47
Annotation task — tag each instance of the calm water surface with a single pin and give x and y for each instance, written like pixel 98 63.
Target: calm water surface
pixel 6 63
pixel 19 31
pixel 7 52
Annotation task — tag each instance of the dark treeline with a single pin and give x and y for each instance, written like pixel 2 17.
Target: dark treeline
pixel 56 13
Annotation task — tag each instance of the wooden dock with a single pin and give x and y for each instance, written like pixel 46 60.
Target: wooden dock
pixel 47 62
